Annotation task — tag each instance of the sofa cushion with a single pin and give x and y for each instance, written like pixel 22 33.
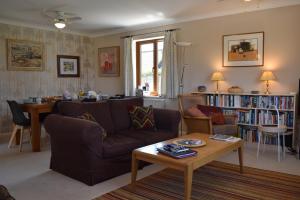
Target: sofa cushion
pixel 148 137
pixel 99 110
pixel 117 145
pixel 119 111
pixel 142 118
pixel 226 129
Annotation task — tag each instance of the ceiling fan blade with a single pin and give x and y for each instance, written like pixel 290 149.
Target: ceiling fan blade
pixel 68 14
pixel 73 19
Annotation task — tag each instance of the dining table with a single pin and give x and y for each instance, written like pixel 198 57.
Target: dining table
pixel 35 109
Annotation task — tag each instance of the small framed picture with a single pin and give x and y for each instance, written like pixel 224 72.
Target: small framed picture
pixel 243 50
pixel 109 61
pixel 68 66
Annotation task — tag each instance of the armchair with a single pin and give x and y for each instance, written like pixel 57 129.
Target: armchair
pixel 197 122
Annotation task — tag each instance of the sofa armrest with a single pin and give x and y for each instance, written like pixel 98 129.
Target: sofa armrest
pixel 74 136
pixel 167 119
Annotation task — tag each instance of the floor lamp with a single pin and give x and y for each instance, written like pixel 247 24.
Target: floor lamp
pixel 181 49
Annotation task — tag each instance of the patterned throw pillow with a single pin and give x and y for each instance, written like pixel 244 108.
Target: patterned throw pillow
pixel 142 117
pixel 89 117
pixel 215 113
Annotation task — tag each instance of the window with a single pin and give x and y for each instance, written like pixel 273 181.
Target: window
pixel 149 65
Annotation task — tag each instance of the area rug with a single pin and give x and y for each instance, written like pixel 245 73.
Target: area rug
pixel 216 180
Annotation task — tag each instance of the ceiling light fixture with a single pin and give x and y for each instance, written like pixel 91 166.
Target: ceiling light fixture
pixel 59 23
pixel 247 0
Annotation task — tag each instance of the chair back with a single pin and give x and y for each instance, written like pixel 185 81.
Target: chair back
pixel 17 113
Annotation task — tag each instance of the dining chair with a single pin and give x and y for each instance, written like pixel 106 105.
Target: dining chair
pixel 274 130
pixel 21 122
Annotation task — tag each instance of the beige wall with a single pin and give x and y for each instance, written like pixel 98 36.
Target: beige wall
pixel 23 84
pixel 282 42
pixel 109 85
pixel 281 27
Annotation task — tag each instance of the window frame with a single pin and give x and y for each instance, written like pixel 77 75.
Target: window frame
pixel 155 61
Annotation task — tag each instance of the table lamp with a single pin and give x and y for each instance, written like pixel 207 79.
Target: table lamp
pixel 267 76
pixel 217 76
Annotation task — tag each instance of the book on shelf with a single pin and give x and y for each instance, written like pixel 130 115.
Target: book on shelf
pixel 250 101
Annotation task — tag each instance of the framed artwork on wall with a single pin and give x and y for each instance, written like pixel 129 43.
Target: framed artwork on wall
pixel 109 61
pixel 68 66
pixel 23 55
pixel 243 50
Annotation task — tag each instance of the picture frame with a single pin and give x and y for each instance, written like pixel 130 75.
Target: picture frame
pixel 25 55
pixel 243 50
pixel 68 66
pixel 109 61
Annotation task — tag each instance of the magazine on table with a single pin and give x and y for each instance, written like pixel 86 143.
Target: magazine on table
pixel 226 138
pixel 176 151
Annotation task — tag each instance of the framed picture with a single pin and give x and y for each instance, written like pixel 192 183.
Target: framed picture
pixel 243 50
pixel 109 61
pixel 68 66
pixel 23 55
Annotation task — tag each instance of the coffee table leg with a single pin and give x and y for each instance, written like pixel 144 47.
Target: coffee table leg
pixel 134 168
pixel 188 180
pixel 240 151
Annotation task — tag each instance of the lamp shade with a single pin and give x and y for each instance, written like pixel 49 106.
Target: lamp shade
pixel 267 76
pixel 217 76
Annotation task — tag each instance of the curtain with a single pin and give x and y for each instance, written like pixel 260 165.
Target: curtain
pixel 128 68
pixel 169 77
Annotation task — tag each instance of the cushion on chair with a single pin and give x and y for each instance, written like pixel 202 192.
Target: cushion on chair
pixel 194 112
pixel 215 113
pixel 226 129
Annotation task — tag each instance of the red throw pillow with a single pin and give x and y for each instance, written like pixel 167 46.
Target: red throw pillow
pixel 215 113
pixel 194 112
pixel 142 117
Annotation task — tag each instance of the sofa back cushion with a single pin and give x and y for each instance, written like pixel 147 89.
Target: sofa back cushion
pixel 99 110
pixel 119 111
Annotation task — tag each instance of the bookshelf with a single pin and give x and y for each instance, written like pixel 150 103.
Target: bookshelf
pixel 253 109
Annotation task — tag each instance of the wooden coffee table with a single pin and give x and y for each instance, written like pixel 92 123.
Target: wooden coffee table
pixel 206 154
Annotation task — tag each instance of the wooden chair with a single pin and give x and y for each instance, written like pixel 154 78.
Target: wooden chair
pixel 20 123
pixel 204 124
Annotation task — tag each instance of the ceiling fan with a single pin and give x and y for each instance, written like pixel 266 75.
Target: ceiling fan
pixel 60 18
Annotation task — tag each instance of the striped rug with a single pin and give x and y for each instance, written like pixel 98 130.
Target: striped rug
pixel 216 180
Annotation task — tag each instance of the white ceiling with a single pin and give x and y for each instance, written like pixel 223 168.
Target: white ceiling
pixel 101 17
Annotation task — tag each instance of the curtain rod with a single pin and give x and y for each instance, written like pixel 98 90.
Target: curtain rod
pixel 175 29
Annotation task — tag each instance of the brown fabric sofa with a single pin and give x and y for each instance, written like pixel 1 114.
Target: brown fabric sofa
pixel 77 149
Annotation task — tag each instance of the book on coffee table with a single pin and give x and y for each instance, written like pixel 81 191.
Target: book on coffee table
pixel 227 138
pixel 176 151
